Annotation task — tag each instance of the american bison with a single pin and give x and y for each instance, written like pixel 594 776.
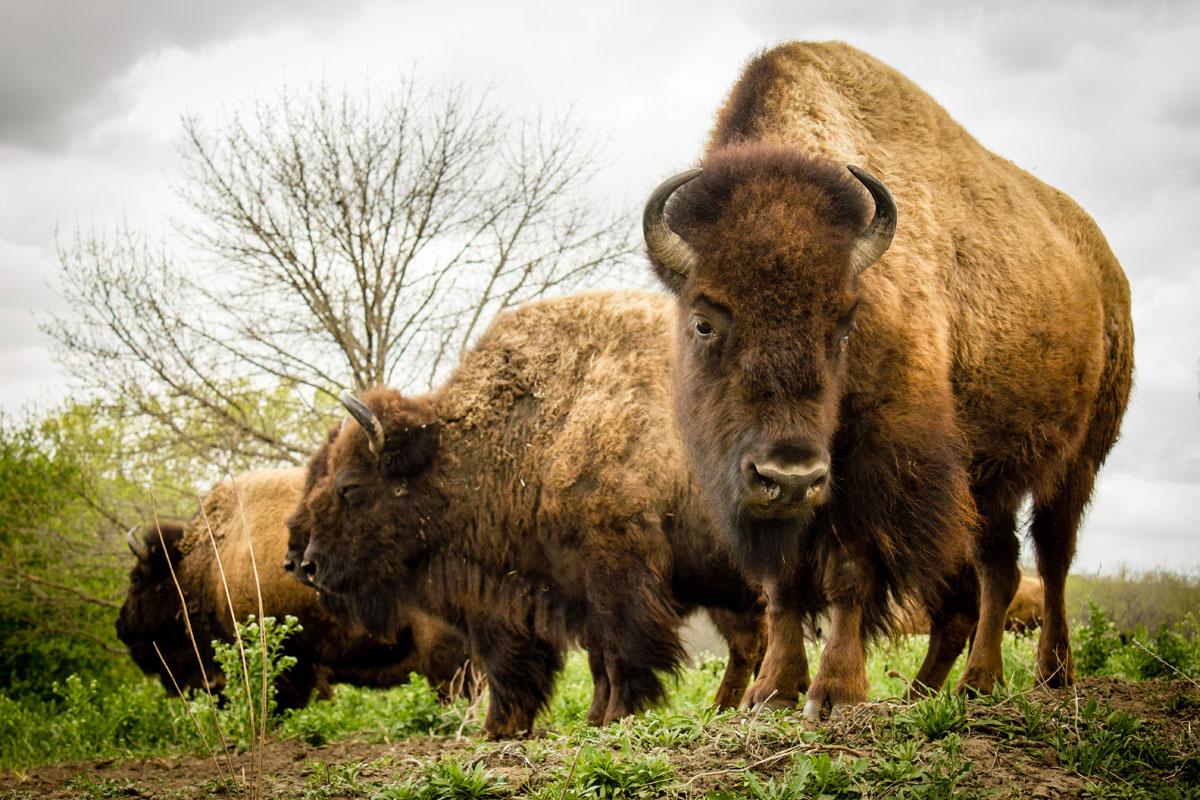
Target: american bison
pixel 539 497
pixel 152 612
pixel 1027 609
pixel 864 413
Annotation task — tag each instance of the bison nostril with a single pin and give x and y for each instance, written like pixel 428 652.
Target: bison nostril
pixel 818 483
pixel 770 489
pixel 309 568
pixel 289 565
pixel 789 483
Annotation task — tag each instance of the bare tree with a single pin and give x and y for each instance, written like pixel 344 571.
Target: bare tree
pixel 337 242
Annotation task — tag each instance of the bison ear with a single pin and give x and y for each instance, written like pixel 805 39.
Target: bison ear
pixel 410 449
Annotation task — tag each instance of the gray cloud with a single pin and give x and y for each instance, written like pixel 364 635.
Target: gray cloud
pixel 57 57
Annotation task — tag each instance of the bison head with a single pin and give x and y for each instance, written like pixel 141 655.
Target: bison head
pixel 364 516
pixel 152 613
pixel 763 248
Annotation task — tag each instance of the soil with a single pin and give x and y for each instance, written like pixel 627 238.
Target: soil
pixel 292 769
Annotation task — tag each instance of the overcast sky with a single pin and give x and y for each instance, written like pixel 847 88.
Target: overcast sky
pixel 1099 99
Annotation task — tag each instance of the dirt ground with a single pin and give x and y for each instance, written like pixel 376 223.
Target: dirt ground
pixel 291 769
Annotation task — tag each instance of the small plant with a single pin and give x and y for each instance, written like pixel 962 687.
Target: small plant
pixel 816 776
pixel 332 780
pixel 449 780
pixel 1095 642
pixel 939 715
pixel 660 728
pixel 239 716
pixel 89 788
pixel 601 774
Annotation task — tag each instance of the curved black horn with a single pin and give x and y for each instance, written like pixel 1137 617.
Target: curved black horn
pixel 369 422
pixel 874 241
pixel 137 543
pixel 662 242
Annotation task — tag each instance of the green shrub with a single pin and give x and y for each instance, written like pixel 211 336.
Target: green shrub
pixel 1095 642
pixel 1169 654
pixel 84 720
pixel 240 714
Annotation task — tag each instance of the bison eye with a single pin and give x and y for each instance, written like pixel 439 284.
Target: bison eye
pixel 703 327
pixel 350 491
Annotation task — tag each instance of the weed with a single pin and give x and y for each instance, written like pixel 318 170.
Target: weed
pixel 602 775
pixel 86 787
pixel 660 728
pixel 1119 748
pixel 937 715
pixel 449 780
pixel 332 780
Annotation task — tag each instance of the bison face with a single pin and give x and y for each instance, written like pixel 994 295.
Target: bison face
pixel 152 613
pixel 762 251
pixel 364 519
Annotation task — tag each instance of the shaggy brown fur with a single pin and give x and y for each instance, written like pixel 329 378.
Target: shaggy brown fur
pixel 991 358
pixel 539 497
pixel 152 612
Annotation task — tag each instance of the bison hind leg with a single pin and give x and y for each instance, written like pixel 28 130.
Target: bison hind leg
pixel 1055 524
pixel 999 576
pixel 952 617
pixel 745 632
pixel 600 685
pixel 635 619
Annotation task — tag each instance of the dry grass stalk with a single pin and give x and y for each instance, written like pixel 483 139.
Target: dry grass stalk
pixel 212 705
pixel 259 754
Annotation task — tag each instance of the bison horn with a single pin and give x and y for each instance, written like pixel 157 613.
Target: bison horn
pixel 137 543
pixel 369 422
pixel 874 241
pixel 662 242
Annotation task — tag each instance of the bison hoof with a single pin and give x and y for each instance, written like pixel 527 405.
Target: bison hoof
pixel 833 698
pixel 758 698
pixel 1056 668
pixel 975 683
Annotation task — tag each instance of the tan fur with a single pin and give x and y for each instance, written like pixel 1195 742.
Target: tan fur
pixel 254 507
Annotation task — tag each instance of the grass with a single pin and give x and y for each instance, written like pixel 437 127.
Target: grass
pixel 942 746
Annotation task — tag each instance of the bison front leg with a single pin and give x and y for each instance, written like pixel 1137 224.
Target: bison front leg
pixel 784 673
pixel 842 675
pixel 521 669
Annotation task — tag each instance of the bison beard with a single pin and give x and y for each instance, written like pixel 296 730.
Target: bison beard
pixel 957 396
pixel 538 498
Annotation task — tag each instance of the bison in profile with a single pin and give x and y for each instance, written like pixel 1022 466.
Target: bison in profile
pixel 539 497
pixel 152 612
pixel 864 414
